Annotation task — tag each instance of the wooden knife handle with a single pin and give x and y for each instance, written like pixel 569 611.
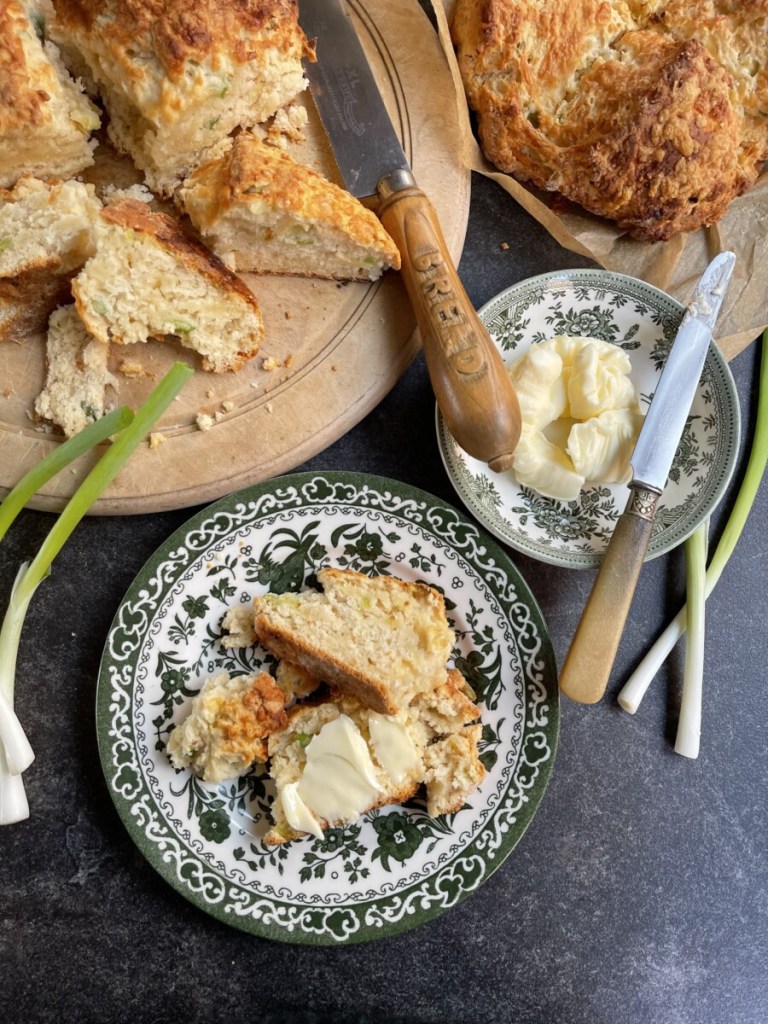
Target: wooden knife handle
pixel 473 389
pixel 587 667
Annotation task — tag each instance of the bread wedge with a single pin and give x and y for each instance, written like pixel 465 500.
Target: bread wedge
pixel 46 226
pixel 77 374
pixel 177 77
pixel 261 211
pixel 379 639
pixel 149 279
pixel 227 726
pixel 45 117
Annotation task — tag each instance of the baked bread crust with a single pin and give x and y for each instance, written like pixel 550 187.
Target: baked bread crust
pixel 179 291
pixel 178 77
pixel 618 105
pixel 262 211
pixel 45 118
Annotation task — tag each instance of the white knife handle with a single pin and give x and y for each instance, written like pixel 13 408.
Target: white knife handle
pixel 473 389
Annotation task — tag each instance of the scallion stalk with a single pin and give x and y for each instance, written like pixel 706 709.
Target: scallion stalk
pixel 58 459
pixel 634 689
pixel 15 758
pixel 689 723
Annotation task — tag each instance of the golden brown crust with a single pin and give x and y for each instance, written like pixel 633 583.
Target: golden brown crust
pixel 615 105
pixel 168 232
pixel 247 722
pixel 177 31
pixel 22 102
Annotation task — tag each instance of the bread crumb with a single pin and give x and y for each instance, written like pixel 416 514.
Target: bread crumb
pixel 228 406
pixel 504 246
pixel 209 393
pixel 288 361
pixel 204 421
pixel 288 315
pixel 269 363
pixel 130 369
pixel 156 439
pixel 269 407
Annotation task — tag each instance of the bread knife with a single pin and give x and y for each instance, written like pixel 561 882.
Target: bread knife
pixel 589 661
pixel 472 387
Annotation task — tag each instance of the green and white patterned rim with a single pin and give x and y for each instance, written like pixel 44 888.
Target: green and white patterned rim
pixel 397 867
pixel 643 321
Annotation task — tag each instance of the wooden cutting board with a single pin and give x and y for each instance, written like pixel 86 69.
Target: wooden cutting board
pixel 339 347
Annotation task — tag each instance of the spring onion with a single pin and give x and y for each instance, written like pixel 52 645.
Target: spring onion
pixel 15 752
pixel 689 723
pixel 634 689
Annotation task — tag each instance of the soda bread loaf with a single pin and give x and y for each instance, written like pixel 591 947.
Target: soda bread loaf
pixel 261 211
pixel 77 374
pixel 227 726
pixel 379 639
pixel 177 77
pixel 149 279
pixel 651 114
pixel 45 117
pixel 46 226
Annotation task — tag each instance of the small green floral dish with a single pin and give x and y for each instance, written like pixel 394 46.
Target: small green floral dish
pixel 395 868
pixel 643 321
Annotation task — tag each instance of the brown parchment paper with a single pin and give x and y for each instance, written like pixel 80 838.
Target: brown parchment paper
pixel 673 266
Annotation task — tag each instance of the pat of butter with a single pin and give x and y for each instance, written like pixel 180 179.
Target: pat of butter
pixel 339 778
pixel 393 748
pixel 297 814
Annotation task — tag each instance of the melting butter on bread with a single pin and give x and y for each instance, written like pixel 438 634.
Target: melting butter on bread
pixel 262 211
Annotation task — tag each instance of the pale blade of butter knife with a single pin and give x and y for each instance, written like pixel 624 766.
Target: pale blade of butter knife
pixel 473 389
pixel 589 661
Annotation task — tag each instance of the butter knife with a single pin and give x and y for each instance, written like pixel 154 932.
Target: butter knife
pixel 471 385
pixel 589 661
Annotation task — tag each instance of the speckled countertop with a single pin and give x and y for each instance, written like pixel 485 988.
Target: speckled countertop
pixel 638 895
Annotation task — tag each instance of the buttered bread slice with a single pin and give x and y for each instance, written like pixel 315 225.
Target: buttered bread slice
pixel 261 211
pixel 379 639
pixel 149 279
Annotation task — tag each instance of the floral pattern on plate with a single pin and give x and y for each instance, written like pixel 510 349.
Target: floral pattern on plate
pixel 396 867
pixel 643 321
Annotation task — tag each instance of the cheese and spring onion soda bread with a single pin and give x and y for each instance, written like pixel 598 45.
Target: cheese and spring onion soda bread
pixel 379 639
pixel 650 113
pixel 45 117
pixel 178 77
pixel 261 211
pixel 149 279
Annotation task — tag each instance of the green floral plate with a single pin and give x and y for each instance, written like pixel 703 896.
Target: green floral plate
pixel 643 321
pixel 397 867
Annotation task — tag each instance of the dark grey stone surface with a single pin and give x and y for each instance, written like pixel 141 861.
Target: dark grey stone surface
pixel 639 894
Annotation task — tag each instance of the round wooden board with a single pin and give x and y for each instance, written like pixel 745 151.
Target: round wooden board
pixel 346 345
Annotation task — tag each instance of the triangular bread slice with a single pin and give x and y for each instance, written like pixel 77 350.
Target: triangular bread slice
pixel 379 639
pixel 45 118
pixel 149 279
pixel 261 211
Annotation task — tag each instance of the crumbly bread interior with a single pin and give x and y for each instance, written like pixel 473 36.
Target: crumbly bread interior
pixel 45 117
pixel 227 726
pixel 261 211
pixel 77 374
pixel 379 639
pixel 452 770
pixel 46 225
pixel 176 80
pixel 149 279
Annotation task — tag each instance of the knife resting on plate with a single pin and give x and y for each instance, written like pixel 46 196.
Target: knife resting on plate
pixel 471 384
pixel 589 661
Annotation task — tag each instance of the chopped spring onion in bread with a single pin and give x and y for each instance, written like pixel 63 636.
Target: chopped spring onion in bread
pixel 634 689
pixel 15 751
